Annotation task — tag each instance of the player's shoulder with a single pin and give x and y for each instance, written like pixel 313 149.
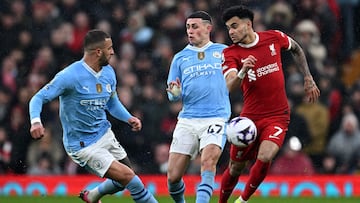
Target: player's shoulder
pixel 71 70
pixel 272 33
pixel 216 45
pixel 230 48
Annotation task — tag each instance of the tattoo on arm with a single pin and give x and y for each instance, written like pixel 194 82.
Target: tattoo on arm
pixel 300 59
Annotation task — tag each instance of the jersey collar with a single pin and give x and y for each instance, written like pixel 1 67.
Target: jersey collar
pixel 88 68
pixel 252 43
pixel 189 46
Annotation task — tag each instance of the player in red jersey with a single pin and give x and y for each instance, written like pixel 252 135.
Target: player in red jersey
pixel 253 64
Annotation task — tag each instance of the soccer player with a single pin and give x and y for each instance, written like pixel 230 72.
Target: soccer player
pixel 253 65
pixel 86 90
pixel 196 71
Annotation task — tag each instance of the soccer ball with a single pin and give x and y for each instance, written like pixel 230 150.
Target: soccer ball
pixel 241 131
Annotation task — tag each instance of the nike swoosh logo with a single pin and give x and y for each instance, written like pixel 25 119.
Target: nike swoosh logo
pixel 252 186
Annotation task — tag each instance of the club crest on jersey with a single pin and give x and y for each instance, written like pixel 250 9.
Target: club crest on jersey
pixel 217 54
pixel 98 88
pixel 201 55
pixel 108 88
pixel 272 49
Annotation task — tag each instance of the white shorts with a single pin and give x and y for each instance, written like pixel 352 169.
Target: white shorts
pixel 98 157
pixel 192 135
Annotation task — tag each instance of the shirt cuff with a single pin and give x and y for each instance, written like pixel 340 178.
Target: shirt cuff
pixel 35 120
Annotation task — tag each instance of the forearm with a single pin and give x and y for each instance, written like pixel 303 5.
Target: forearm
pixel 233 82
pixel 300 59
pixel 35 108
pixel 118 110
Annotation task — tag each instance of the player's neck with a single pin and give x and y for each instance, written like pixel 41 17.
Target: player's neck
pixel 250 38
pixel 93 64
pixel 201 44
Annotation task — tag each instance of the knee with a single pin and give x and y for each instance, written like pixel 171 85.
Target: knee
pixel 236 168
pixel 266 158
pixel 267 151
pixel 173 176
pixel 173 179
pixel 209 164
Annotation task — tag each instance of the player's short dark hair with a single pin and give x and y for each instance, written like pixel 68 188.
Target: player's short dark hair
pixel 200 14
pixel 240 11
pixel 94 38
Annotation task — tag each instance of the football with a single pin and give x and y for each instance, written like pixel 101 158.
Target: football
pixel 241 131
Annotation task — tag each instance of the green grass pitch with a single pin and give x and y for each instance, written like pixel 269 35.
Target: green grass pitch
pixel 163 199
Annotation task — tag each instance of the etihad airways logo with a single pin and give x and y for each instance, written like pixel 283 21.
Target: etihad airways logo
pixel 203 69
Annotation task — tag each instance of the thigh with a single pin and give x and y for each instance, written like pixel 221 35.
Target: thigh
pixel 185 139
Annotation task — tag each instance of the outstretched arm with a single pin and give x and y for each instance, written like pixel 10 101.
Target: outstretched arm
pixel 311 90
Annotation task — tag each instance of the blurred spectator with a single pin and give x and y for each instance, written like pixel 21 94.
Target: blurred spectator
pixel 292 160
pixel 328 165
pixel 45 151
pixel 168 122
pixel 297 127
pixel 8 32
pixel 5 104
pixel 279 16
pixel 349 24
pixel 345 144
pixel 161 157
pixel 317 119
pixel 19 134
pixel 354 101
pixel 324 18
pixel 137 31
pixel 308 35
pixel 44 165
pixel 9 71
pixel 81 26
pixel 5 151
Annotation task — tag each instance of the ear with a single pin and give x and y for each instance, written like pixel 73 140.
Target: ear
pixel 98 51
pixel 209 28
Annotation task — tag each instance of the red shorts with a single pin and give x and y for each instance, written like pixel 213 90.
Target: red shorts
pixel 271 128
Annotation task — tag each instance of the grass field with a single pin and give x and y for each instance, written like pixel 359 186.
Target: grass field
pixel 114 199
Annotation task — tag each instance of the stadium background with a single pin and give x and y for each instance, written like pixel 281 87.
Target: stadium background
pixel 40 37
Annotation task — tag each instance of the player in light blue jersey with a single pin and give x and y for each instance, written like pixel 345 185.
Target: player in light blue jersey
pixel 195 77
pixel 86 90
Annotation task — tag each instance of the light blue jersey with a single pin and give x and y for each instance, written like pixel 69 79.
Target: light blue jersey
pixel 204 92
pixel 84 96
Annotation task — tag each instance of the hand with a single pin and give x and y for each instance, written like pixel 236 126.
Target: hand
pixel 311 90
pixel 248 62
pixel 174 87
pixel 135 123
pixel 37 130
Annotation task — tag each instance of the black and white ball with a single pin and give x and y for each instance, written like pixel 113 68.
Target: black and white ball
pixel 241 131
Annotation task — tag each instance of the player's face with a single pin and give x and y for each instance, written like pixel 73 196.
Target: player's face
pixel 239 30
pixel 107 52
pixel 198 31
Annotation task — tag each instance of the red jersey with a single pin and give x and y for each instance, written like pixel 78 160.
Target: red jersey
pixel 263 87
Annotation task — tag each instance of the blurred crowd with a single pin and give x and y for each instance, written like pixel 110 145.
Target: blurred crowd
pixel 41 37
